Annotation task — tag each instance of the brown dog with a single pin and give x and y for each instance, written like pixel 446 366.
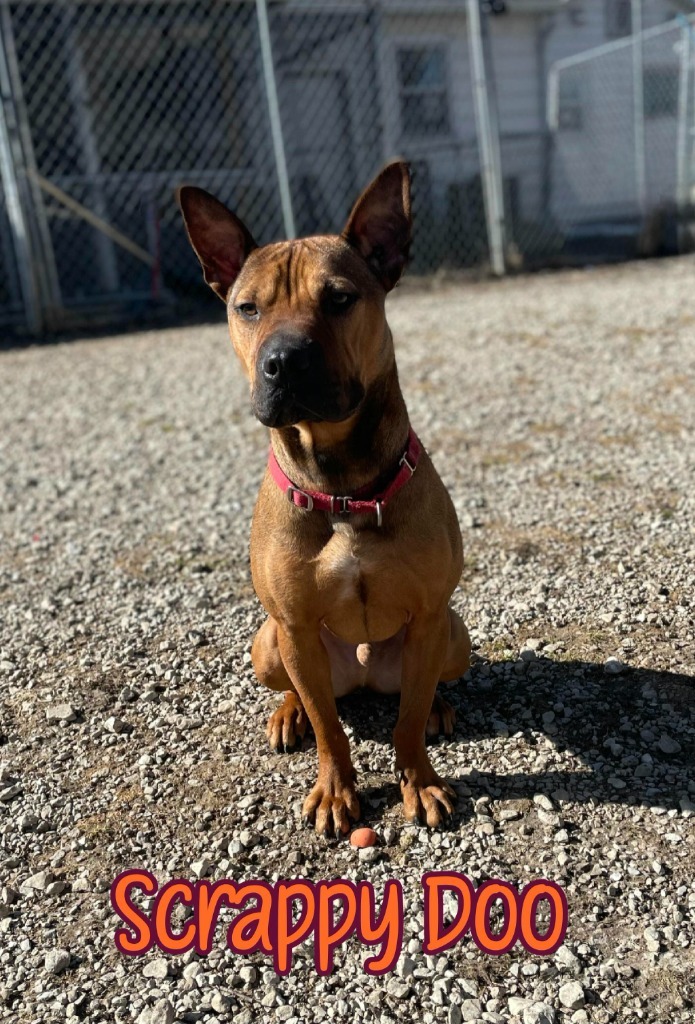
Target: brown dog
pixel 356 589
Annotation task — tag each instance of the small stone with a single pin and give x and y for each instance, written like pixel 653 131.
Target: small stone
pixel 571 995
pixel 652 941
pixel 61 713
pixel 56 961
pixel 158 968
pixel 114 725
pixel 41 880
pixel 485 828
pixel 27 822
pixel 562 836
pixel 543 801
pixel 509 814
pixel 219 1003
pixel 539 1013
pixel 8 896
pixel 667 745
pixel 616 782
pixel 363 837
pixel 613 667
pixel 454 1015
pixel 397 988
pixel 10 792
pixel 56 888
pixel 517 1005
pixel 567 959
pixel 471 1009
pixel 201 867
pixel 369 854
pixel 405 967
pixel 162 1012
pixel 248 975
pixel 687 806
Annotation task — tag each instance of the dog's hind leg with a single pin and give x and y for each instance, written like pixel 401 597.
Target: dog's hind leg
pixel 458 658
pixel 288 723
pixel 442 718
pixel 458 654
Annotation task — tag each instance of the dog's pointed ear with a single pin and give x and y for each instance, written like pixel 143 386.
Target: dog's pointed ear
pixel 219 239
pixel 380 224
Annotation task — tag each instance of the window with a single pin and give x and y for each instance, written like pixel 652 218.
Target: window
pixel 422 91
pixel 570 111
pixel 618 14
pixel 660 92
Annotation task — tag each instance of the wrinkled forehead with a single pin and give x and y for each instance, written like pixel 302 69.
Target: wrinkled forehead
pixel 305 266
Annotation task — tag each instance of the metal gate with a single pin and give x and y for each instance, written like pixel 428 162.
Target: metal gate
pixel 282 109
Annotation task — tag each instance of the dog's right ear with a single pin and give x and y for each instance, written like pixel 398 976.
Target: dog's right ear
pixel 219 239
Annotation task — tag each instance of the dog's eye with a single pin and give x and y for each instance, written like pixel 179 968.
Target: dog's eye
pixel 340 301
pixel 248 310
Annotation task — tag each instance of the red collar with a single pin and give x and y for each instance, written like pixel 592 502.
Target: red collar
pixel 315 500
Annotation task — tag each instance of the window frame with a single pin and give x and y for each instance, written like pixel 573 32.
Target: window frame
pixel 612 26
pixel 424 43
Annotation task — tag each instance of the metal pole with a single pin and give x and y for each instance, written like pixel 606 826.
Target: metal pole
pixel 16 214
pixel 488 141
pixel 79 95
pixel 638 105
pixel 682 183
pixel 274 114
pixel 39 233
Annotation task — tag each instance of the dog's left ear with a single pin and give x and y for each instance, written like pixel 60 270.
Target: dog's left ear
pixel 380 225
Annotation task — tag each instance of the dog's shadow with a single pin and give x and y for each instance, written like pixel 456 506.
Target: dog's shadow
pixel 630 735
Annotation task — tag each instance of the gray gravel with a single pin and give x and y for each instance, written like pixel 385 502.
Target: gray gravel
pixel 560 412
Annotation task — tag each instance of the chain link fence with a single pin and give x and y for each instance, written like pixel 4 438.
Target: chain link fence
pixel 622 118
pixel 284 110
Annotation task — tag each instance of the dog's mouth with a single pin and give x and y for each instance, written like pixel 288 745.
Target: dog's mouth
pixel 286 409
pixel 317 417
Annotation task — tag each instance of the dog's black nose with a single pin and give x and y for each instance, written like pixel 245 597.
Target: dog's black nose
pixel 284 360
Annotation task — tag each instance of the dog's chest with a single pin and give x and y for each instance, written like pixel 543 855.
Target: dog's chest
pixel 350 577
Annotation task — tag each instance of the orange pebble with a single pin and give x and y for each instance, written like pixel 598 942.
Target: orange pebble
pixel 363 837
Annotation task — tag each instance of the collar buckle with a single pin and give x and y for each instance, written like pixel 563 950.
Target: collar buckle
pixel 342 509
pixel 291 491
pixel 403 461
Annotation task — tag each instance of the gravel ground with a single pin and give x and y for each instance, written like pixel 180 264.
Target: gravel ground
pixel 560 412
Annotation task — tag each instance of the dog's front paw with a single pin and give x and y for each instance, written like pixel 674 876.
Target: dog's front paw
pixel 287 724
pixel 331 806
pixel 426 797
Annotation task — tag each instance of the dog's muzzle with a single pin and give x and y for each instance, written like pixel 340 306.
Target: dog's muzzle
pixel 292 383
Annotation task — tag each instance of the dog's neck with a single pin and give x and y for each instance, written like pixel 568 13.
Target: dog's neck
pixel 363 450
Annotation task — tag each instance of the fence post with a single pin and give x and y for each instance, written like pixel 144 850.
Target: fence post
pixel 638 105
pixel 79 95
pixel 31 302
pixel 274 114
pixel 488 141
pixel 683 182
